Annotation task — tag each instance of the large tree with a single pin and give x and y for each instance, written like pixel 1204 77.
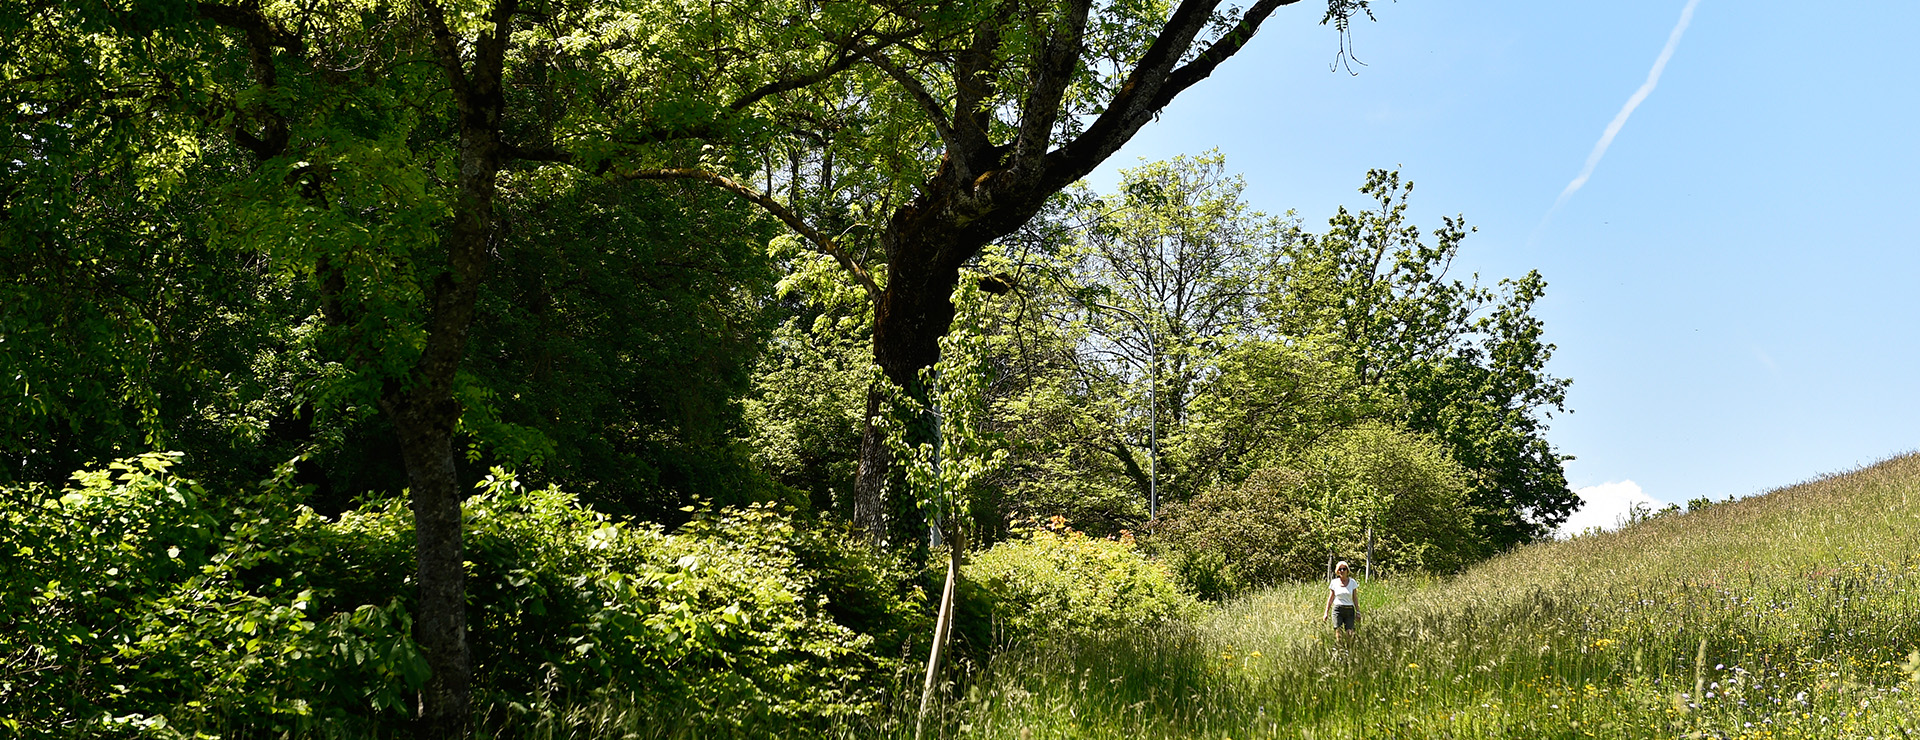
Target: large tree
pixel 958 136
pixel 372 149
pixel 1437 354
pixel 1171 270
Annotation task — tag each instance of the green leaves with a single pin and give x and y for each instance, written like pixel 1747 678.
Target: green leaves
pixel 128 601
pixel 138 604
pixel 1441 356
pixel 938 433
pixel 1056 584
pixel 805 412
pixel 1351 357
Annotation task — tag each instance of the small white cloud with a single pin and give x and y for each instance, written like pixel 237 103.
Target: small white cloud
pixel 1606 506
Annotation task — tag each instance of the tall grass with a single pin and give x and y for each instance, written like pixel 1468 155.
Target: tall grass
pixel 1791 614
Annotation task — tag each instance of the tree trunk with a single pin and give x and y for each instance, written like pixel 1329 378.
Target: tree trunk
pixel 425 413
pixel 423 407
pixel 909 318
pixel 870 479
pixel 440 615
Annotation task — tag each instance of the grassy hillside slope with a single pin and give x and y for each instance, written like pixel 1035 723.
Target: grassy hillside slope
pixel 1791 614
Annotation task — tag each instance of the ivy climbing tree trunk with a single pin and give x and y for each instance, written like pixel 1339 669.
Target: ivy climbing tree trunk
pixel 908 323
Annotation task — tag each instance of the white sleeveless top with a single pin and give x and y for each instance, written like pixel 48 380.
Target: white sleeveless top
pixel 1343 594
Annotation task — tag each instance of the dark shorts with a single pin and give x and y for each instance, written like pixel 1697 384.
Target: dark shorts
pixel 1343 617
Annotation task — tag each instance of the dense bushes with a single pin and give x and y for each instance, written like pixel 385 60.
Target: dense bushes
pixel 1407 488
pixel 1055 582
pixel 1234 537
pixel 126 603
pixel 129 607
pixel 740 619
pixel 1369 483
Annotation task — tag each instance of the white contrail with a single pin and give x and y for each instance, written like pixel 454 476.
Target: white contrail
pixel 1620 119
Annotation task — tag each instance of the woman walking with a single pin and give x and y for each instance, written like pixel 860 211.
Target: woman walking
pixel 1340 602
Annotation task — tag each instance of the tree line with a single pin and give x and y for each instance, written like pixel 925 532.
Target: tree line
pixel 654 253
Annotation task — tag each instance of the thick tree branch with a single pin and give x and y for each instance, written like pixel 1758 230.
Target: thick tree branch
pixel 1226 46
pixel 849 52
pixel 973 86
pixel 1152 84
pixel 1130 101
pixel 491 48
pixel 794 83
pixel 250 20
pixel 1128 463
pixel 1048 82
pixel 261 37
pixel 821 242
pixel 446 51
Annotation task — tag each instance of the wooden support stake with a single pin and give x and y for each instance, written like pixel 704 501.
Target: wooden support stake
pixel 942 627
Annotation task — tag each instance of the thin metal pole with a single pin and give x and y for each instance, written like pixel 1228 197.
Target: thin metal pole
pixel 1153 408
pixel 1153 427
pixel 1369 552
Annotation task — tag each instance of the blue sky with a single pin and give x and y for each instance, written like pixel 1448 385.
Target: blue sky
pixel 1734 289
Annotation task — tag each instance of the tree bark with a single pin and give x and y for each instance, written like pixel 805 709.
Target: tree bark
pixel 425 413
pixel 909 317
pixel 440 619
pixel 422 406
pixel 870 478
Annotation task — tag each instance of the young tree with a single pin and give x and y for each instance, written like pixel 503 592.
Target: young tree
pixel 1171 270
pixel 1127 301
pixel 1378 485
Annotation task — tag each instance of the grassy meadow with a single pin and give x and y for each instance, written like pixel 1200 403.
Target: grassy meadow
pixel 1790 614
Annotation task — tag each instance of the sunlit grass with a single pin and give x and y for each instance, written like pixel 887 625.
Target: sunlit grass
pixel 1792 614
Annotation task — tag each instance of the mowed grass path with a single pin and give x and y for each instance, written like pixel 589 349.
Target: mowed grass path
pixel 1791 614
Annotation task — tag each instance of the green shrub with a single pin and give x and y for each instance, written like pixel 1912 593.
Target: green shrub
pixel 1056 582
pixel 1284 521
pixel 1231 538
pixel 1405 486
pixel 741 621
pixel 128 608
